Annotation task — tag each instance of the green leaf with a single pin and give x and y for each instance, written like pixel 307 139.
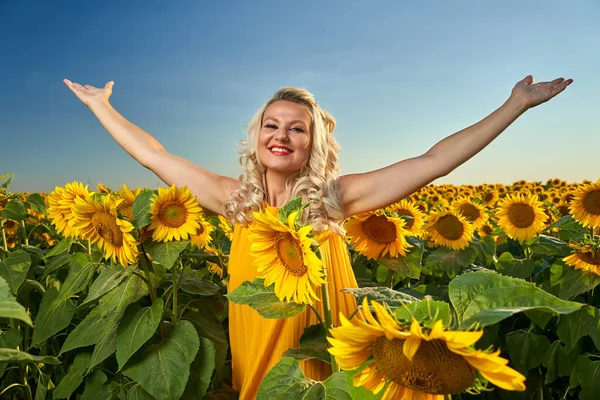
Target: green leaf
pixel 14 210
pixel 557 363
pixel 527 350
pixel 36 202
pixel 336 387
pixel 139 324
pixel 61 247
pixel 264 300
pixel 137 393
pixel 577 281
pixel 105 346
pixel 106 314
pixel 162 369
pixel 359 392
pixel 288 208
pixel 56 263
pixel 409 265
pixel 12 355
pixel 9 177
pixel 484 298
pixel 568 229
pixel 198 286
pixel 573 327
pixel 165 253
pixel 201 370
pixel 141 208
pixel 485 249
pixel 44 384
pixel 313 344
pixel 209 327
pixel 94 387
pixel 53 316
pixel 540 318
pixel 14 269
pixel 392 298
pixel 585 373
pixel 427 312
pixel 104 283
pixel 443 261
pixel 10 307
pixel 545 245
pixel 74 376
pixel 80 273
pixel 517 268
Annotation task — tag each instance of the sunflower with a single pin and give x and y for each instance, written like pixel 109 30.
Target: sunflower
pixel 215 268
pixel 175 213
pixel 585 257
pixel 202 236
pixel 226 226
pixel 374 235
pixel 449 229
pixel 416 364
pixel 59 204
pixel 10 227
pixel 485 230
pixel 11 242
pixel 283 256
pixel 406 208
pixel 99 223
pixel 128 197
pixel 100 188
pixel 472 211
pixel 521 217
pixel 585 205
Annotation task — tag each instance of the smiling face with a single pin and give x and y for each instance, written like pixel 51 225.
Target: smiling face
pixel 285 137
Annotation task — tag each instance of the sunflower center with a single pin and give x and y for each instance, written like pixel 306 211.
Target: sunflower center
pixel 379 229
pixel 434 369
pixel 486 229
pixel 289 253
pixel 449 227
pixel 200 230
pixel 409 222
pixel 521 215
pixel 172 215
pixel 470 212
pixel 8 224
pixel 106 225
pixel 590 257
pixel 591 202
pixel 563 210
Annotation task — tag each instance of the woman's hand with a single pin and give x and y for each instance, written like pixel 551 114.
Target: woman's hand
pixel 532 94
pixel 88 94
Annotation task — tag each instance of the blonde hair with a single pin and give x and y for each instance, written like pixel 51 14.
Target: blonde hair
pixel 315 182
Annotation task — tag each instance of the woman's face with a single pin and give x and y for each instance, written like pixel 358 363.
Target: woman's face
pixel 285 137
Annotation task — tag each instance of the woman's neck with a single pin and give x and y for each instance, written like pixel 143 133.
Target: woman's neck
pixel 275 188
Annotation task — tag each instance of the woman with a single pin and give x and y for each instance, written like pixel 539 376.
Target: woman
pixel 290 152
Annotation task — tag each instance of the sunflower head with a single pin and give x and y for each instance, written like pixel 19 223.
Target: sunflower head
pixel 375 234
pixel 59 205
pixel 202 237
pixel 128 197
pixel 174 214
pixel 474 212
pixel 450 229
pixel 585 205
pixel 521 217
pixel 283 256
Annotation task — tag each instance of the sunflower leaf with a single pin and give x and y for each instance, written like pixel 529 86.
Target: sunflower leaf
pixel 568 229
pixel 14 269
pixel 74 376
pixel 264 300
pixel 289 207
pixel 427 312
pixel 386 295
pixel 550 246
pixel 573 327
pixel 577 281
pixel 409 265
pixel 10 307
pixel 201 370
pixel 13 355
pixel 443 261
pixel 141 208
pixel 165 253
pixel 517 268
pixel 36 202
pixel 527 350
pixel 14 210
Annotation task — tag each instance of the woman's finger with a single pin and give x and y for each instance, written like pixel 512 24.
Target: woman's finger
pixel 89 87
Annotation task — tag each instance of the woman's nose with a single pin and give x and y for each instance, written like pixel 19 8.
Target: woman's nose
pixel 281 134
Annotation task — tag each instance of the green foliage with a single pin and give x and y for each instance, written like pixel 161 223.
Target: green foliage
pixel 264 300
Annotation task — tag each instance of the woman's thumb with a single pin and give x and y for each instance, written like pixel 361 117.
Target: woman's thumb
pixel 109 85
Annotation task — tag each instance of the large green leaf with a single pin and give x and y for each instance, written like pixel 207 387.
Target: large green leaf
pixel 14 269
pixel 44 384
pixel 586 373
pixel 550 246
pixel 427 312
pixel 13 355
pixel 443 261
pixel 527 350
pixel 9 339
pixel 141 208
pixel 106 314
pixel 486 250
pixel 61 247
pixel 10 307
pixel 36 202
pixel 106 345
pixel 208 327
pixel 80 273
pixel 288 208
pixel 573 327
pixel 517 268
pixel 95 388
pixel 53 316
pixel 392 298
pixel 568 229
pixel 165 253
pixel 576 281
pixel 138 325
pixel 264 300
pixel 313 344
pixel 162 369
pixel 198 286
pixel 287 381
pixel 557 362
pixel 409 265
pixel 201 371
pixel 74 376
pixel 484 298
pixel 104 283
pixel 14 210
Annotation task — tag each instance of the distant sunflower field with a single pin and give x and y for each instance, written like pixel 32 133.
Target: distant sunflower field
pixel 465 292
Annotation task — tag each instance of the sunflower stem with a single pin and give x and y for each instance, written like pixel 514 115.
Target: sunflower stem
pixel 25 233
pixel 144 261
pixel 317 314
pixel 89 248
pixel 174 294
pixel 389 279
pixel 327 310
pixel 3 234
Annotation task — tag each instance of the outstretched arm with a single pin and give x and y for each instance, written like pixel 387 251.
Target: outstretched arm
pixel 380 188
pixel 211 190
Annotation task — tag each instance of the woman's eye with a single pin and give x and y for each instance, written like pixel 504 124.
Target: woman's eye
pixel 298 130
pixel 270 126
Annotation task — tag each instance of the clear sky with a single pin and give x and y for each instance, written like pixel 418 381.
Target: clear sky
pixel 398 76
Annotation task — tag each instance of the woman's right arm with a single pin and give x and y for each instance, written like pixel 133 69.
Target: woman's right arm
pixel 212 190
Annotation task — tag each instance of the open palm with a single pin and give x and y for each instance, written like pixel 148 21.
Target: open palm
pixel 89 94
pixel 533 94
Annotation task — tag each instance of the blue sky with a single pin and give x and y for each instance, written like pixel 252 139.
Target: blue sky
pixel 397 75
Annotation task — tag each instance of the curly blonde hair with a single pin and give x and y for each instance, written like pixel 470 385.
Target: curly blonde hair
pixel 315 182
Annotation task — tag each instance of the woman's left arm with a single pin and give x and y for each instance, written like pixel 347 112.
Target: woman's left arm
pixel 380 188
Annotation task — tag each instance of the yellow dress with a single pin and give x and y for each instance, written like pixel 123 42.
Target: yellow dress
pixel 257 343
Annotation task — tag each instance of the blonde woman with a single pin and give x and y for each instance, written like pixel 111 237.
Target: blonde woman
pixel 290 151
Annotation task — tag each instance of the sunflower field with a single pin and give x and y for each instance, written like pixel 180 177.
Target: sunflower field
pixel 464 292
